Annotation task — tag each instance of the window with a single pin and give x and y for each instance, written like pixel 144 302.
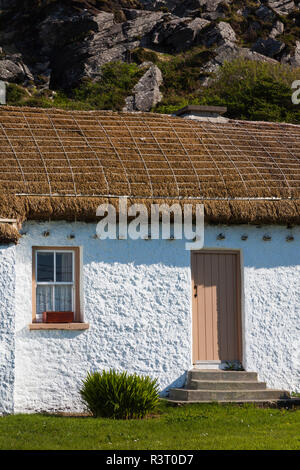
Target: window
pixel 55 281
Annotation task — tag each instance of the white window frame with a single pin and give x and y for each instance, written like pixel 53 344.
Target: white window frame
pixel 55 283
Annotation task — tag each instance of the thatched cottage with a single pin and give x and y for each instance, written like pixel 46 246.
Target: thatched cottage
pixel 148 305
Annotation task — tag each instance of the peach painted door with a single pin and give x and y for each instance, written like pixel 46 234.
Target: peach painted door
pixel 216 306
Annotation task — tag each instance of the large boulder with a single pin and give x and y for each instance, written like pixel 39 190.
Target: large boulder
pixel 178 34
pixel 269 47
pixel 277 29
pixel 229 52
pixel 146 92
pixel 210 9
pixel 160 4
pixel 61 28
pixel 282 7
pixel 295 60
pixel 220 34
pixel 292 59
pixel 265 13
pixel 14 71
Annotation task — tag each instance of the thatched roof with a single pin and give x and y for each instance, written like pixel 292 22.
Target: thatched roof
pixel 8 234
pixel 61 164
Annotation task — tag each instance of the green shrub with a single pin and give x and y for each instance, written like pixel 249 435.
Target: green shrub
pixel 254 91
pixel 257 91
pixel 15 94
pixel 108 92
pixel 140 55
pixel 119 395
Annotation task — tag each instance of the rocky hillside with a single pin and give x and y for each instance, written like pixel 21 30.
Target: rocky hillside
pixel 54 45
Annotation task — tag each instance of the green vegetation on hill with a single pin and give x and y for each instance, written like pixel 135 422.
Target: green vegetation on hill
pixel 109 92
pixel 250 90
pixel 256 91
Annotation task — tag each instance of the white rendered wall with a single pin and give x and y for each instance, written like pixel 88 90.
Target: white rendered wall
pixel 7 328
pixel 137 299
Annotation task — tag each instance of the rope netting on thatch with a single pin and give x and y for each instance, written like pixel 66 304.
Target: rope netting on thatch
pixel 63 156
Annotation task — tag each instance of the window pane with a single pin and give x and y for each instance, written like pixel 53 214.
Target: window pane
pixel 64 267
pixel 63 298
pixel 45 267
pixel 44 299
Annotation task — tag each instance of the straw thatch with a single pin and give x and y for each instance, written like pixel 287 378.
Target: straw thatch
pixel 8 234
pixel 57 164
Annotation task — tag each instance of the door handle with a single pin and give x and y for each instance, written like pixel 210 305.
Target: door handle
pixel 195 291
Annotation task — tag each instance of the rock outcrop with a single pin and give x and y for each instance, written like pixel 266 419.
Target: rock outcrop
pixel 277 29
pixel 295 60
pixel 146 92
pixel 57 44
pixel 269 47
pixel 229 52
pixel 108 41
pixel 283 7
pixel 14 71
pixel 220 34
pixel 210 9
pixel 177 34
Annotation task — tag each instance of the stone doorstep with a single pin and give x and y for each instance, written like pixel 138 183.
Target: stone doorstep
pixel 226 395
pixel 281 403
pixel 209 365
pixel 225 385
pixel 219 375
pixel 205 386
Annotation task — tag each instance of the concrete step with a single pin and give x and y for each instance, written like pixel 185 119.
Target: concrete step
pixel 188 395
pixel 286 402
pixel 225 385
pixel 230 375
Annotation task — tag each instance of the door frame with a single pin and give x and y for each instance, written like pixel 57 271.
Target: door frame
pixel 240 296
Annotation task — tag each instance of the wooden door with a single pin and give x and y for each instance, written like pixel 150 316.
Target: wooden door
pixel 216 306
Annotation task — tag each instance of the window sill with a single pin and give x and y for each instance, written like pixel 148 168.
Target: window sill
pixel 59 326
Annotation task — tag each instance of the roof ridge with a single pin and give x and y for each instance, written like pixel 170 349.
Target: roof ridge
pixel 270 123
pixel 134 113
pixel 38 109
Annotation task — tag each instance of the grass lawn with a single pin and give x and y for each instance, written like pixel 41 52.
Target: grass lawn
pixel 189 427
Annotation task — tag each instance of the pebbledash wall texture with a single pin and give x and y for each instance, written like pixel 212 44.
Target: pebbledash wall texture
pixel 7 327
pixel 137 299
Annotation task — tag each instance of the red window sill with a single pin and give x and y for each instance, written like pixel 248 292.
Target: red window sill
pixel 59 326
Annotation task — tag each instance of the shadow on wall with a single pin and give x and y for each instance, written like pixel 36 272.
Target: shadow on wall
pixel 178 383
pixel 269 255
pixel 170 253
pixel 256 253
pixel 58 335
